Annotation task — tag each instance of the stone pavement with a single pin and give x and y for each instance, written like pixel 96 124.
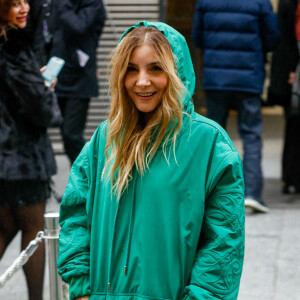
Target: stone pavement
pixel 272 257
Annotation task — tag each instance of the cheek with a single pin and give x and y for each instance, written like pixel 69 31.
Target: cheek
pixel 128 82
pixel 163 83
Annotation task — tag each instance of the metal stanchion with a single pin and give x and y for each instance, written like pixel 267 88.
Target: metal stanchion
pixel 51 233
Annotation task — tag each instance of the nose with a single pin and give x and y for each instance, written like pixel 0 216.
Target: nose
pixel 143 79
pixel 24 7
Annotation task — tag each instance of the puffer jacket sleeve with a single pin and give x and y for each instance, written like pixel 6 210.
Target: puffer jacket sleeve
pixel 74 238
pixel 197 30
pixel 218 266
pixel 269 28
pixel 32 99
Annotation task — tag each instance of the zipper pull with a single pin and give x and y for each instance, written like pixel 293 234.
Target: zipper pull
pixel 125 270
pixel 108 287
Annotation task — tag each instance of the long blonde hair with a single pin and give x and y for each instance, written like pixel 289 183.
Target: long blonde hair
pixel 130 140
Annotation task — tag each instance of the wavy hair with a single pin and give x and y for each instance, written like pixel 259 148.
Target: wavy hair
pixel 130 140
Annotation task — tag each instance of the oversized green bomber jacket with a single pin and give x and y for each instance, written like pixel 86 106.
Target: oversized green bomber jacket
pixel 177 232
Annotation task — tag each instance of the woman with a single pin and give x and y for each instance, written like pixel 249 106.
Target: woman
pixel 154 207
pixel 26 158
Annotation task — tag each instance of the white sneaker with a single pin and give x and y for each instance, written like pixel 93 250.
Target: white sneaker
pixel 256 205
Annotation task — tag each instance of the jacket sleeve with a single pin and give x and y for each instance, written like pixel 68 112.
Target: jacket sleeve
pixel 269 27
pixel 218 266
pixel 32 99
pixel 197 30
pixel 74 238
pixel 79 20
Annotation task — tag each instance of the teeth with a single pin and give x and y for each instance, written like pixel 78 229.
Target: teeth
pixel 145 95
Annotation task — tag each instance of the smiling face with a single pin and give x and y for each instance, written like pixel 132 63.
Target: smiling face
pixel 17 14
pixel 145 81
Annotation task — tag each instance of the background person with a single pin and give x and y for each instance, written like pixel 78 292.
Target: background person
pixel 75 27
pixel 154 207
pixel 26 157
pixel 284 62
pixel 235 36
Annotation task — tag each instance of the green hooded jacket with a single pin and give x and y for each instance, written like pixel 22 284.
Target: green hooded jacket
pixel 177 232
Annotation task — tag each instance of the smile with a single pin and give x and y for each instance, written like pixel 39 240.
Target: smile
pixel 22 19
pixel 145 94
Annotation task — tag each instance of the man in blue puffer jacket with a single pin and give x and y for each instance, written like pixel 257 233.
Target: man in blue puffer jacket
pixel 235 36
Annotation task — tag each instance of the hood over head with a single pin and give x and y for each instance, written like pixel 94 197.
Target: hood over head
pixel 181 55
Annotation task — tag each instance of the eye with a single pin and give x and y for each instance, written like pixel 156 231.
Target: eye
pixel 16 3
pixel 156 68
pixel 131 68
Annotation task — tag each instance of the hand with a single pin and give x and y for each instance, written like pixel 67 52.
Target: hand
pixel 291 78
pixel 83 298
pixel 54 82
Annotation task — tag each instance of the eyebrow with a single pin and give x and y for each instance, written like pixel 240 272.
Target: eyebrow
pixel 155 63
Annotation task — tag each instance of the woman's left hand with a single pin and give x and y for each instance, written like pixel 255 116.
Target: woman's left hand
pixel 291 78
pixel 54 82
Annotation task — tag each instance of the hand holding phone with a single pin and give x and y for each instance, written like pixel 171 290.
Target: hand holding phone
pixel 53 68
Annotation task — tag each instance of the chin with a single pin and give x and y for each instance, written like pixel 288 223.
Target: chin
pixel 21 25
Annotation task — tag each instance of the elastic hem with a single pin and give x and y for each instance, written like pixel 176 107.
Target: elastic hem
pixel 130 296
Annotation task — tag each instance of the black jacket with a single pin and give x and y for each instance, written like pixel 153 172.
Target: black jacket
pixel 285 57
pixel 76 25
pixel 34 30
pixel 25 113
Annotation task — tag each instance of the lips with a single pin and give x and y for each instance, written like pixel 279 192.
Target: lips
pixel 146 94
pixel 22 19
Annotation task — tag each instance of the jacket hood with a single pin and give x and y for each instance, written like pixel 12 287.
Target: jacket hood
pixel 181 55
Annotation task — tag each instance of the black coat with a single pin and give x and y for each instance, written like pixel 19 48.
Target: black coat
pixel 25 113
pixel 285 57
pixel 76 25
pixel 34 30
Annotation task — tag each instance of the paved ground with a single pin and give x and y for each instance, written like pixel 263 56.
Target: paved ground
pixel 272 260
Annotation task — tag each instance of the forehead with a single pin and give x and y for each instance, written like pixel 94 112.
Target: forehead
pixel 143 54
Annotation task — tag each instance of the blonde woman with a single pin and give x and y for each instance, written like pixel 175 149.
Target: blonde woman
pixel 154 207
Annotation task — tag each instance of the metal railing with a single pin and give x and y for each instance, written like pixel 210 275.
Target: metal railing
pixel 58 289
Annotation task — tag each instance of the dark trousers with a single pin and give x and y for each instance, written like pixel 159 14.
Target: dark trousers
pixel 291 151
pixel 74 111
pixel 249 126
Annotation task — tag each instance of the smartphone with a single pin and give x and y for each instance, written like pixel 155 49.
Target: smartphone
pixel 53 68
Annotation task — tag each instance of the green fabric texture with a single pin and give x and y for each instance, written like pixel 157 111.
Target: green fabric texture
pixel 176 232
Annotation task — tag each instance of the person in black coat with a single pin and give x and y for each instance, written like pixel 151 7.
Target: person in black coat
pixel 26 156
pixel 284 62
pixel 75 26
pixel 285 56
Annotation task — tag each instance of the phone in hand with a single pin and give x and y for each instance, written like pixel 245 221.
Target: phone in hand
pixel 53 68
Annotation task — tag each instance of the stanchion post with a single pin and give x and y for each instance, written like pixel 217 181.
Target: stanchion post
pixel 51 232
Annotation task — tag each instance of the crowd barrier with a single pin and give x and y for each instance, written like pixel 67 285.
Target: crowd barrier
pixel 58 289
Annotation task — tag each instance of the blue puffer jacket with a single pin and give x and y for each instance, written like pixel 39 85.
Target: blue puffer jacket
pixel 235 35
